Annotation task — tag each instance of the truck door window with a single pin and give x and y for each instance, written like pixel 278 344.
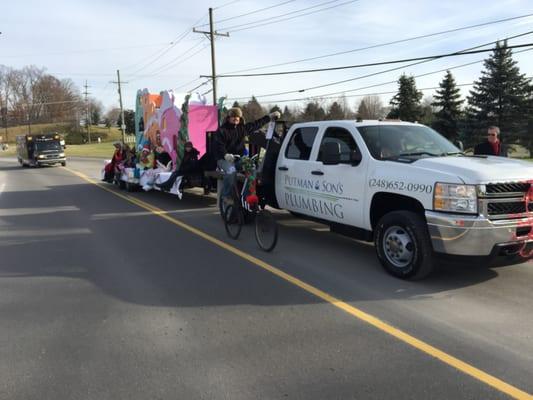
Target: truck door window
pixel 343 138
pixel 301 143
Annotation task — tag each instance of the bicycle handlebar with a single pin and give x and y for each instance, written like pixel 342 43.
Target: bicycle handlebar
pixel 237 156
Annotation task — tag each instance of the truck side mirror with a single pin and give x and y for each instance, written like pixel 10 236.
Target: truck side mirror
pixel 331 153
pixel 355 157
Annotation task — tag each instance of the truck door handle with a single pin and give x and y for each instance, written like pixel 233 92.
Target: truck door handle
pixel 283 168
pixel 317 172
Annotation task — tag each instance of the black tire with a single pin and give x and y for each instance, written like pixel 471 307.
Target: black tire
pixel 222 207
pixel 403 245
pixel 248 216
pixel 64 164
pixel 266 230
pixel 233 221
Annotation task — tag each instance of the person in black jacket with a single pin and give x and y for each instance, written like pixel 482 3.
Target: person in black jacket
pixel 229 140
pixel 189 165
pixel 493 146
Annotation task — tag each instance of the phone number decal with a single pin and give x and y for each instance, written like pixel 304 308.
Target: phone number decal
pixel 400 185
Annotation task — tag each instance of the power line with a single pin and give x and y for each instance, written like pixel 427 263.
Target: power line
pixel 50 103
pixel 156 55
pixel 199 86
pixel 367 94
pixel 170 63
pixel 251 12
pixel 304 71
pixel 372 94
pixel 87 50
pixel 187 84
pixel 162 52
pixel 387 70
pixel 324 95
pixel 279 18
pixel 384 44
pixel 225 5
pixel 138 77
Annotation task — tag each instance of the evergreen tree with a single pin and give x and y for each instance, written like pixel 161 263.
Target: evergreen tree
pixel 287 115
pixel 129 118
pixel 275 108
pixel 500 97
pixel 406 103
pixel 335 112
pixel 313 112
pixel 448 102
pixel 252 110
pixel 236 104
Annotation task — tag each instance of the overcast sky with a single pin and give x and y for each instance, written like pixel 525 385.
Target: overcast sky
pixel 91 39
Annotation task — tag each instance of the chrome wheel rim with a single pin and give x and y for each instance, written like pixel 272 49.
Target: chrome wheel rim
pixel 398 246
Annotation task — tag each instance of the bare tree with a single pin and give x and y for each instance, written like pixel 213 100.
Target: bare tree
pixel 111 117
pixel 371 107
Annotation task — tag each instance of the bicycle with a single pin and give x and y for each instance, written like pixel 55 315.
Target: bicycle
pixel 249 204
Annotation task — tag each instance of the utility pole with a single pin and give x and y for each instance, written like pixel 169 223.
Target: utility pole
pixel 87 113
pixel 29 120
pixel 123 125
pixel 3 112
pixel 211 36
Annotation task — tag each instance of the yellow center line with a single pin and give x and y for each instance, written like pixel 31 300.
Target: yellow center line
pixel 452 361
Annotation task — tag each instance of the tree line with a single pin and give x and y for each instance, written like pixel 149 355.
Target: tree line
pixel 30 95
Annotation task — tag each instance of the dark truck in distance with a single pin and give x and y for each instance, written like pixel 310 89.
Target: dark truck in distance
pixel 37 150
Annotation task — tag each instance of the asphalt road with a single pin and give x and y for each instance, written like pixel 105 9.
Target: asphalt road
pixel 103 299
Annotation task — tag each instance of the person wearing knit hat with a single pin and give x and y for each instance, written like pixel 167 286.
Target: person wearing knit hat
pixel 235 112
pixel 229 140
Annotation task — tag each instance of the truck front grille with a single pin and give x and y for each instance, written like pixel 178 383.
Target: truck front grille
pixel 505 200
pixel 507 188
pixel 513 207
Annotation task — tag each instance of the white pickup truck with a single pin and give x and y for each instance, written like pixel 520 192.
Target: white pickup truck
pixel 406 188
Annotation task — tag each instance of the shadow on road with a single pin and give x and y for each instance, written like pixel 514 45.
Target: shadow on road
pixel 10 167
pixel 148 261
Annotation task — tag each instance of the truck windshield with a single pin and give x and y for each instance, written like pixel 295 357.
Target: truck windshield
pixel 48 145
pixel 387 142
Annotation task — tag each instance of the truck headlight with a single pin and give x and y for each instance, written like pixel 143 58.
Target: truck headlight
pixel 61 154
pixel 455 198
pixel 40 156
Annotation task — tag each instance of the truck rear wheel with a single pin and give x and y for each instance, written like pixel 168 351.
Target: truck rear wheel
pixel 403 246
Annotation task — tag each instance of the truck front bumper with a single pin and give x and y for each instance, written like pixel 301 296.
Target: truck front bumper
pixel 50 161
pixel 465 235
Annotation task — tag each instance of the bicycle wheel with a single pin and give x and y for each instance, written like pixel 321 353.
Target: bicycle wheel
pixel 233 221
pixel 266 230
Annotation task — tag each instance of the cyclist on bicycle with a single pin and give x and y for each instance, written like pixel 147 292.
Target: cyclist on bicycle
pixel 229 140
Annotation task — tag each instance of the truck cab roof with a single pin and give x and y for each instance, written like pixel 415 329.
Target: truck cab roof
pixel 356 123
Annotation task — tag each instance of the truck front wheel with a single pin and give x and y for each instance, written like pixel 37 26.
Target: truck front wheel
pixel 403 246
